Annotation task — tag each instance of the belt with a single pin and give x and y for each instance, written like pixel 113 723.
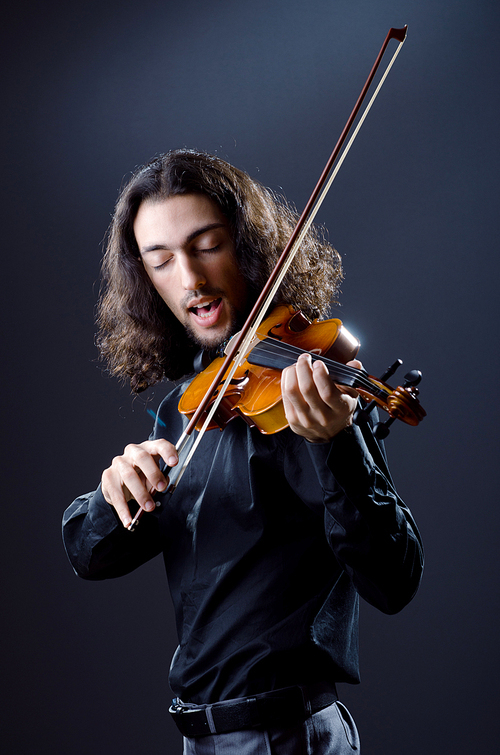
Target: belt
pixel 283 706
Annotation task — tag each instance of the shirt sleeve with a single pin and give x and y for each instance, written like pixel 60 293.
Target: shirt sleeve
pixel 98 545
pixel 367 525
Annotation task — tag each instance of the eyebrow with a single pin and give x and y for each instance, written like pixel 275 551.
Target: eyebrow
pixel 191 237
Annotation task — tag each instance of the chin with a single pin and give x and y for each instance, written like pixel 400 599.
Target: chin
pixel 212 339
pixel 209 340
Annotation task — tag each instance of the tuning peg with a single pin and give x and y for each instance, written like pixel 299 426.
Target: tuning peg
pixel 382 429
pixel 391 370
pixel 412 378
pixel 363 413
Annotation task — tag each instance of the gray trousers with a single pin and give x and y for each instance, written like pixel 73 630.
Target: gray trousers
pixel 330 731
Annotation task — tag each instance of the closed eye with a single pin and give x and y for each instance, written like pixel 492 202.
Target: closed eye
pixel 212 250
pixel 159 267
pixel 208 251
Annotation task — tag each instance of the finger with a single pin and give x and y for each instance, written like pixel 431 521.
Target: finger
pixel 304 407
pixel 300 389
pixel 115 496
pixel 328 391
pixel 316 386
pixel 132 483
pixel 345 390
pixel 355 363
pixel 162 448
pixel 335 404
pixel 305 380
pixel 145 458
pixel 292 399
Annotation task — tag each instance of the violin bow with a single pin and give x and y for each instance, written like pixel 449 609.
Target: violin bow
pixel 241 341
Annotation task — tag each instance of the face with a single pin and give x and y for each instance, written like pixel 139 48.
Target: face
pixel 188 253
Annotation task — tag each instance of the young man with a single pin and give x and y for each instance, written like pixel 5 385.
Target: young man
pixel 268 539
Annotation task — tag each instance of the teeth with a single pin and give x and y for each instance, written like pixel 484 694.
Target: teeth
pixel 204 310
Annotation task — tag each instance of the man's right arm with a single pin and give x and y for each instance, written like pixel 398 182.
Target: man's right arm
pixel 94 527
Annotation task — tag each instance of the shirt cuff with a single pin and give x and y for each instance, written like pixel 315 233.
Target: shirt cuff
pixel 102 515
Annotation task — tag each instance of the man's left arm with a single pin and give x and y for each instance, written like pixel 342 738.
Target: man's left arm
pixel 368 527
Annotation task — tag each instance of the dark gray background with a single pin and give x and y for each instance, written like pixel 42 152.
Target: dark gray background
pixel 92 90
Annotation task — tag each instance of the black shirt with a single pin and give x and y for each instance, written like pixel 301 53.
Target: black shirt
pixel 267 541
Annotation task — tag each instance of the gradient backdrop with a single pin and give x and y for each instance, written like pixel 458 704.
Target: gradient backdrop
pixel 93 89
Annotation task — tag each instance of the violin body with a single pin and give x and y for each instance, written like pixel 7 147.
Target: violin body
pixel 254 392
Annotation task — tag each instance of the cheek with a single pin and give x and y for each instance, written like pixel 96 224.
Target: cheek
pixel 162 291
pixel 160 287
pixel 235 280
pixel 157 283
pixel 240 290
pixel 167 298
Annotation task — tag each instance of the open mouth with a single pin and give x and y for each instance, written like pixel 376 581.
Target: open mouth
pixel 207 314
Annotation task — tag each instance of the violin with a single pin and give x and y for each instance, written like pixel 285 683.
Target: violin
pixel 254 390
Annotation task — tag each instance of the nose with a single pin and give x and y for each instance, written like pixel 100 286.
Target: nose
pixel 191 273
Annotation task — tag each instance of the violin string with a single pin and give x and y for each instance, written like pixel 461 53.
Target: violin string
pixel 283 354
pixel 339 370
pixel 350 376
pixel 272 350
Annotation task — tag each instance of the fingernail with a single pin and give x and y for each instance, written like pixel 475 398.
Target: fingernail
pixel 149 506
pixel 161 486
pixel 172 460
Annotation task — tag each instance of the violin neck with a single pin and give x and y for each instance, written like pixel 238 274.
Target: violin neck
pixel 277 355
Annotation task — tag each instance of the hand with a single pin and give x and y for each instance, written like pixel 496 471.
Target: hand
pixel 316 408
pixel 136 475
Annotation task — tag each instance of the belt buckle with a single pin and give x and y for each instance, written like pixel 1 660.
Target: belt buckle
pixel 195 724
pixel 178 707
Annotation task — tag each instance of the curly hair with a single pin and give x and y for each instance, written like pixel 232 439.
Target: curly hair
pixel 139 337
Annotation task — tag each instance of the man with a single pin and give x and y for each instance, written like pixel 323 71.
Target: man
pixel 268 539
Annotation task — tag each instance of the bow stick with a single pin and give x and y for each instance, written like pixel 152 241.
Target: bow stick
pixel 241 342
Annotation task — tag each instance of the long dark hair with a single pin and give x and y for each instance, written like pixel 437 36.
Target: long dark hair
pixel 139 337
